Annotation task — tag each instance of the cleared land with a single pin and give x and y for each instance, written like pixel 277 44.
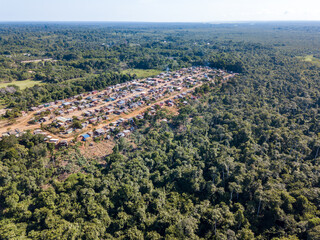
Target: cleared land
pixel 142 73
pixel 21 84
pixel 311 59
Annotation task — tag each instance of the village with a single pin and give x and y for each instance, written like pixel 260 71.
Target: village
pixel 98 113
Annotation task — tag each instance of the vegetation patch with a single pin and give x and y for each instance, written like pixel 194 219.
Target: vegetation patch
pixel 21 84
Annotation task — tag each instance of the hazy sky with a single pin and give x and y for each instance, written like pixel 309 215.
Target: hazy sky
pixel 158 10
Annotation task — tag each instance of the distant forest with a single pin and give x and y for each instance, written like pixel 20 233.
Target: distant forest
pixel 240 162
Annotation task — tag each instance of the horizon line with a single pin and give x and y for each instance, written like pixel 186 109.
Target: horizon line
pixel 185 22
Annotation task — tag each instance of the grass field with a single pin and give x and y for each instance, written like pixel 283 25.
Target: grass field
pixel 143 73
pixel 21 84
pixel 312 59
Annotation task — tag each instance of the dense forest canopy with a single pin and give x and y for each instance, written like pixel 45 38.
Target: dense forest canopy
pixel 240 162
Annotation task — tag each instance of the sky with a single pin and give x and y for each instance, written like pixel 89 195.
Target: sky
pixel 160 10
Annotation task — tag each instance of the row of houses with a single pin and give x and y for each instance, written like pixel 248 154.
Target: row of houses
pixel 117 88
pixel 123 105
pixel 93 98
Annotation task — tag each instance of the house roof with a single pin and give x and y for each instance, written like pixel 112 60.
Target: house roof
pixel 85 135
pixel 62 119
pixel 100 130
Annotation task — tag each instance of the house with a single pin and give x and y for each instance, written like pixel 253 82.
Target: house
pixel 55 141
pixel 66 104
pixel 43 119
pixel 152 112
pixel 119 135
pixel 37 131
pixel 99 132
pixel 159 104
pixel 62 119
pixel 69 131
pixel 139 117
pixel 87 114
pixel 93 120
pixel 85 137
pixel 118 112
pixel 63 143
pixel 134 105
pixel 126 132
pixel 110 111
pixel 60 124
pixel 12 132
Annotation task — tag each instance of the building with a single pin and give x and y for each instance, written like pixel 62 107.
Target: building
pixel 99 132
pixel 85 137
pixel 63 143
pixel 55 141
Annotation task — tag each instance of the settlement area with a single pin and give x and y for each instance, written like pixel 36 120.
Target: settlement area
pixel 97 113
